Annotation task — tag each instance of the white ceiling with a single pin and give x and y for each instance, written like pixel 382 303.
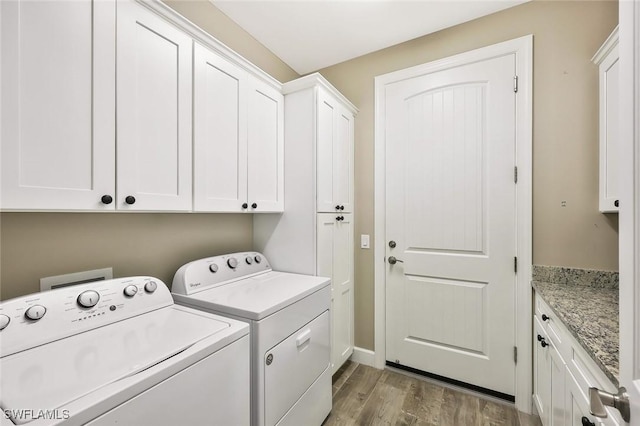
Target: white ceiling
pixel 312 34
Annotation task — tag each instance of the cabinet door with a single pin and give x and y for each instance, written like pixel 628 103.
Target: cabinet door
pixel 265 191
pixel 326 125
pixel 335 260
pixel 153 112
pixel 609 86
pixel 220 133
pixel 558 374
pixel 334 156
pixel 58 102
pixel 343 160
pixel 577 406
pixel 541 374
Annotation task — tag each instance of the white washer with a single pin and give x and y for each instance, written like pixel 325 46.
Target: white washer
pixel 290 337
pixel 120 352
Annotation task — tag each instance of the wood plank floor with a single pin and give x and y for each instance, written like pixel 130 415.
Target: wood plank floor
pixel 363 395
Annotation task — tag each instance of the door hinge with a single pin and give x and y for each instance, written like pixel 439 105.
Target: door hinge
pixel 515 84
pixel 515 264
pixel 515 174
pixel 515 354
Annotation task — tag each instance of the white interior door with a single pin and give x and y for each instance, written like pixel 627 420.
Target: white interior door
pixel 450 208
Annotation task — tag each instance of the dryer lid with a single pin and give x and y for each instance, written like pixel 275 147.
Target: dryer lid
pixel 258 296
pixel 52 375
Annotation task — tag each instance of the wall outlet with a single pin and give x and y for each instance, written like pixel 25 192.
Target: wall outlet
pixel 364 241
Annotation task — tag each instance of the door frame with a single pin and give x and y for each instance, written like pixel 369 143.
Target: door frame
pixel 522 47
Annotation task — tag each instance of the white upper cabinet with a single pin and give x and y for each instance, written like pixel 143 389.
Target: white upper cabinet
pixel 220 133
pixel 607 60
pixel 153 112
pixel 58 105
pixel 126 105
pixel 265 156
pixel 238 138
pixel 335 155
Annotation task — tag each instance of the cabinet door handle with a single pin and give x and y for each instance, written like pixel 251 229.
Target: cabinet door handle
pixel 338 207
pixel 106 199
pixel 245 205
pixel 616 203
pixel 254 205
pixel 341 208
pixel 545 317
pixel 130 200
pixel 587 422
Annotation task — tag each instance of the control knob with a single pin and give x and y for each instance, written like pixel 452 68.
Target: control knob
pixel 150 287
pixel 35 312
pixel 130 290
pixel 4 321
pixel 258 259
pixel 232 262
pixel 249 260
pixel 88 299
pixel 213 268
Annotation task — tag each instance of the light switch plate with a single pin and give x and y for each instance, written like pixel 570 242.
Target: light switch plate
pixel 364 241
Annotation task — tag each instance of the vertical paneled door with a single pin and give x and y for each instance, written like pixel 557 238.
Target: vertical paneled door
pixel 450 212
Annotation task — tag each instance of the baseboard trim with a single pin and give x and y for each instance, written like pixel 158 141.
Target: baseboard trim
pixel 363 356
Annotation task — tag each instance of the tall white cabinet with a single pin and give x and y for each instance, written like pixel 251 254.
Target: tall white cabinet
pixel 315 234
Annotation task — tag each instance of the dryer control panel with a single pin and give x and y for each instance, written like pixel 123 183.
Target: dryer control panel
pixel 215 271
pixel 39 318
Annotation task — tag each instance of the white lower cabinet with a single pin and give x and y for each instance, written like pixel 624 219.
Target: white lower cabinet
pixel 335 260
pixel 549 374
pixel 562 375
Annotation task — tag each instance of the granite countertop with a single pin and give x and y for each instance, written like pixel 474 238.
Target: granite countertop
pixel 590 313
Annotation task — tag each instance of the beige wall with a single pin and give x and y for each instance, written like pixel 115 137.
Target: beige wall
pixel 35 245
pixel 565 141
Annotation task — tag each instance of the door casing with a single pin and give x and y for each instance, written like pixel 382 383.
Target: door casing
pixel 523 49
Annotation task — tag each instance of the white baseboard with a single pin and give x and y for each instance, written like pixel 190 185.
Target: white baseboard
pixel 363 356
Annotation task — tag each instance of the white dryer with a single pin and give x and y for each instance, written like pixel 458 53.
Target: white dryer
pixel 120 352
pixel 290 337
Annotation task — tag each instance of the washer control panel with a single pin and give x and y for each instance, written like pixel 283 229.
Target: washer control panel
pixel 39 318
pixel 218 270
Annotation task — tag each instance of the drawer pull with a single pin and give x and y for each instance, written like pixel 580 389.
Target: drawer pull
pixel 303 338
pixel 587 422
pixel 545 317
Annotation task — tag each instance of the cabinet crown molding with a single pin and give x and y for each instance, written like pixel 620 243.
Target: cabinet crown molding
pixel 201 36
pixel 316 79
pixel 610 43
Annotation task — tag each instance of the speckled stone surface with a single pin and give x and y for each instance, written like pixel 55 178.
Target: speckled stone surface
pixel 586 301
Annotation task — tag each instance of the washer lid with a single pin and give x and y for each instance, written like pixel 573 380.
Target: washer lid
pixel 52 375
pixel 258 296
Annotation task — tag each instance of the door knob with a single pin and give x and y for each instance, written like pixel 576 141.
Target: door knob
pixel 392 244
pixel 393 260
pixel 598 399
pixel 587 422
